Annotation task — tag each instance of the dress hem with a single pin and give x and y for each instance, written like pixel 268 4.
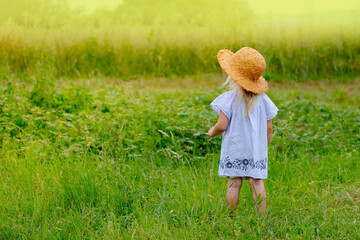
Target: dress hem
pixel 237 176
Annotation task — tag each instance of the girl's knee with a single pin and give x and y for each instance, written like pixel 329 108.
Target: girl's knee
pixel 256 182
pixel 234 182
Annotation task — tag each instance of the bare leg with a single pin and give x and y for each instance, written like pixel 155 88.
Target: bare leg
pixel 232 195
pixel 259 194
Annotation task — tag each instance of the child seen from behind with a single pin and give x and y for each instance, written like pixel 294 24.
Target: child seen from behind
pixel 245 114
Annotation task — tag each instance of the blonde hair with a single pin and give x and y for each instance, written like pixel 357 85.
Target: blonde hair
pixel 249 97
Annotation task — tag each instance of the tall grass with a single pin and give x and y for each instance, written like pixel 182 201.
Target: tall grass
pixel 175 38
pixel 91 163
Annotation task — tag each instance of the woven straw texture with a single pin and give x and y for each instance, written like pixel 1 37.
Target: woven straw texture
pixel 245 67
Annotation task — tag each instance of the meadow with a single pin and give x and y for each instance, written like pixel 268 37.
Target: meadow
pixel 103 118
pixel 103 158
pixel 172 39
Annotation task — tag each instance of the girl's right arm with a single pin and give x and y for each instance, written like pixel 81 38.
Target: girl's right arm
pixel 219 127
pixel 269 131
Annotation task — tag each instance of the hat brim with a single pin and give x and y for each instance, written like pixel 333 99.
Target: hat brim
pixel 226 60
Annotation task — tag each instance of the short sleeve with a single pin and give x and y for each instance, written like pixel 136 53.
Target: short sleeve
pixel 270 108
pixel 223 103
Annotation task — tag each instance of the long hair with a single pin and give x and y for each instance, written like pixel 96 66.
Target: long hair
pixel 249 97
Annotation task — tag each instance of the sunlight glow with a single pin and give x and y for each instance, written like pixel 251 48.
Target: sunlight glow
pixel 89 6
pixel 286 7
pixel 273 7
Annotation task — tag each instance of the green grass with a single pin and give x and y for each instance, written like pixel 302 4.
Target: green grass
pixel 87 161
pixel 173 38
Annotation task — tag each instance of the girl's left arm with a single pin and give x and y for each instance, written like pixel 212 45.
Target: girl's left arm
pixel 269 131
pixel 219 127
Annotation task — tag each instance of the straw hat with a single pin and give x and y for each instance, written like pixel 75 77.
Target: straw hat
pixel 245 67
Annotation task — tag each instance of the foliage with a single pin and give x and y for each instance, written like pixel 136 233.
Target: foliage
pixel 171 38
pixel 32 13
pixel 118 162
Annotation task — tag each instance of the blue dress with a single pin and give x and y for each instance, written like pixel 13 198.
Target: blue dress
pixel 244 150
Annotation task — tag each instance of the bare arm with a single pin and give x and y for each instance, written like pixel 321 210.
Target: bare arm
pixel 219 127
pixel 269 131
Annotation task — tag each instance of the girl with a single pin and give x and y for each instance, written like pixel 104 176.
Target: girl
pixel 245 114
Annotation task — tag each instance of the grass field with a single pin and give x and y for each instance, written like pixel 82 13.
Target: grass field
pixel 107 159
pixel 103 118
pixel 172 38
